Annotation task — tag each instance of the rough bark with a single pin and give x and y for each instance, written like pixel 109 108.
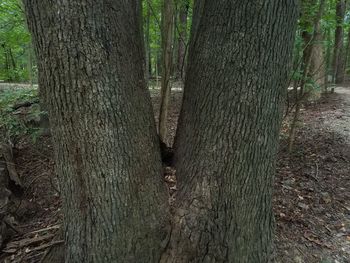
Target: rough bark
pixel 338 74
pixel 167 54
pixel 228 130
pixel 106 148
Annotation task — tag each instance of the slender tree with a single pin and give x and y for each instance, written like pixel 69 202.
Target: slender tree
pixel 347 53
pixel 148 42
pixel 167 62
pixel 313 61
pixel 182 37
pixel 317 60
pixel 338 74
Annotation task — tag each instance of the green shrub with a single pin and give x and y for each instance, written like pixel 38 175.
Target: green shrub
pixel 12 122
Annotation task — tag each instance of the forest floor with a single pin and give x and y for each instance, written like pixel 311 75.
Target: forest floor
pixel 311 197
pixel 312 187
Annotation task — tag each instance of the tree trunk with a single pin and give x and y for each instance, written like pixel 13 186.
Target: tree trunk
pixel 139 13
pixel 147 45
pixel 228 130
pixel 12 59
pixel 167 54
pixel 106 148
pixel 328 60
pixel 175 43
pixel 347 53
pixel 30 64
pixel 7 62
pixel 159 62
pixel 182 40
pixel 338 74
pixel 317 63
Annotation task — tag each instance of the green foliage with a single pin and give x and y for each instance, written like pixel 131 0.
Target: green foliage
pixel 152 15
pixel 12 121
pixel 17 59
pixel 14 42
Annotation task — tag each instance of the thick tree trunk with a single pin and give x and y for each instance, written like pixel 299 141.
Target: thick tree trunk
pixel 182 39
pixel 106 148
pixel 167 54
pixel 338 74
pixel 228 130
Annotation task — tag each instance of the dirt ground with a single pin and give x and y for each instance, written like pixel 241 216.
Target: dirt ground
pixel 311 200
pixel 312 187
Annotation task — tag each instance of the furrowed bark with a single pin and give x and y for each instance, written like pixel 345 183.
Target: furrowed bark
pixel 228 130
pixel 106 148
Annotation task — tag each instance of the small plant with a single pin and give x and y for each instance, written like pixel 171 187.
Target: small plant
pixel 12 119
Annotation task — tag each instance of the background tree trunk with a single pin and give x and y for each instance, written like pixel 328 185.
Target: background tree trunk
pixel 317 63
pixel 139 11
pixel 7 62
pixel 106 148
pixel 228 130
pixel 347 53
pixel 182 38
pixel 338 74
pixel 30 65
pixel 147 45
pixel 329 69
pixel 167 54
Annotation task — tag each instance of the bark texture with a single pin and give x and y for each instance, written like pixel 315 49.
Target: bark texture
pixel 106 148
pixel 228 130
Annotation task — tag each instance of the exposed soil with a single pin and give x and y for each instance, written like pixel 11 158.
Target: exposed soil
pixel 311 201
